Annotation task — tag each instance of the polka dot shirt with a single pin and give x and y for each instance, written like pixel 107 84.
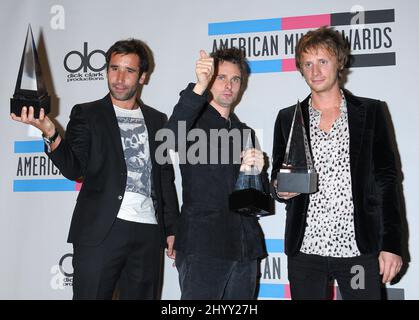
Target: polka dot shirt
pixel 330 216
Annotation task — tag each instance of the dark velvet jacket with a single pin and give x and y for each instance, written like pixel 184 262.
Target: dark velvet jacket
pixel 373 173
pixel 92 150
pixel 206 225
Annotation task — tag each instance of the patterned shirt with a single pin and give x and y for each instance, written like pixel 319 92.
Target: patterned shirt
pixel 330 217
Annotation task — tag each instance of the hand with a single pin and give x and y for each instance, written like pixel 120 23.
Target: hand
pixel 43 123
pixel 252 157
pixel 287 195
pixel 171 253
pixel 284 195
pixel 390 265
pixel 204 72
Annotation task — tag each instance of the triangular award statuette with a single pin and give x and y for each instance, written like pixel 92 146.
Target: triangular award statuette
pixel 248 197
pixel 297 173
pixel 30 87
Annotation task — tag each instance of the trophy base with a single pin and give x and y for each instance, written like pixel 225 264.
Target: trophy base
pixel 251 202
pixel 19 101
pixel 300 181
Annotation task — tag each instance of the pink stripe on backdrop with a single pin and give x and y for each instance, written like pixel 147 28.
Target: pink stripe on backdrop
pixel 288 65
pixel 287 292
pixel 304 22
pixel 78 185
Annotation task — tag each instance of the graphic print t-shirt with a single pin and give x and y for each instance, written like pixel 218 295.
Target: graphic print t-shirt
pixel 137 204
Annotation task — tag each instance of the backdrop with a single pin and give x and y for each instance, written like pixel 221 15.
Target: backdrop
pixel 71 36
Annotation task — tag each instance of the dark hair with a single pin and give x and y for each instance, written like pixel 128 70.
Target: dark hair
pixel 235 56
pixel 326 38
pixel 130 46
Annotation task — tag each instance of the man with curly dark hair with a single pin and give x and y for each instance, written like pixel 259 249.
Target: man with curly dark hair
pixel 217 250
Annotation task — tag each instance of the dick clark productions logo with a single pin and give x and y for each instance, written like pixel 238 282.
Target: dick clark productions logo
pixel 62 273
pixel 86 65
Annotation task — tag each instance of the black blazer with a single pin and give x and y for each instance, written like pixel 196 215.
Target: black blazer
pixel 373 172
pixel 92 151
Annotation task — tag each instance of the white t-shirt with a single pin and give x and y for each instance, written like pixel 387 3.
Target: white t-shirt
pixel 137 204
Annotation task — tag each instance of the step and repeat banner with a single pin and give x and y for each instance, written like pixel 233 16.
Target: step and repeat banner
pixel 72 36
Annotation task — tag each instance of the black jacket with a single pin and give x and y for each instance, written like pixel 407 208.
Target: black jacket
pixel 92 150
pixel 373 172
pixel 206 225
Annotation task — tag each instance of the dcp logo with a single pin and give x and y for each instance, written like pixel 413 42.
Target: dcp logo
pixel 75 60
pixel 66 265
pixel 62 273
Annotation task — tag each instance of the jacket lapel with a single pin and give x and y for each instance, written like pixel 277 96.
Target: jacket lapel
pixel 112 124
pixel 356 123
pixel 151 130
pixel 306 117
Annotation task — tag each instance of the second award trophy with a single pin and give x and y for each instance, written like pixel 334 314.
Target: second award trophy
pixel 248 198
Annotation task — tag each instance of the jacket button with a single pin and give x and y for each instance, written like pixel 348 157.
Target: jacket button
pixel 119 197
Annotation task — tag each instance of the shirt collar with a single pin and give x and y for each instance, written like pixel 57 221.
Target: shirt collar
pixel 343 105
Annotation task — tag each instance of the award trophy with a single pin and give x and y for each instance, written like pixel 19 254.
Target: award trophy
pixel 30 88
pixel 248 197
pixel 297 173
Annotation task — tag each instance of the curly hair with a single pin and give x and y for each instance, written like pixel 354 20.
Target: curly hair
pixel 235 56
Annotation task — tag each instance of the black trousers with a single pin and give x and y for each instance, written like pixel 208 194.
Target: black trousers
pixel 358 278
pixel 130 254
pixel 208 278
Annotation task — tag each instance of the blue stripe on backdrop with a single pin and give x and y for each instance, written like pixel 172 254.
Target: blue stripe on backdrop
pixel 246 26
pixel 274 245
pixel 43 185
pixel 31 146
pixel 271 290
pixel 264 66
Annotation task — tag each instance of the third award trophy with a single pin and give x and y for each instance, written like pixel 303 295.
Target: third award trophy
pixel 297 173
